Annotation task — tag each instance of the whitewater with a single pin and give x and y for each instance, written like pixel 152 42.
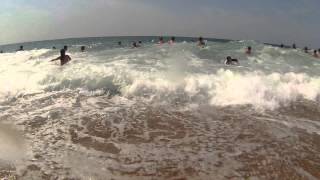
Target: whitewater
pixel 159 111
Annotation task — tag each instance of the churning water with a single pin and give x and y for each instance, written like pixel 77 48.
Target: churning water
pixel 159 111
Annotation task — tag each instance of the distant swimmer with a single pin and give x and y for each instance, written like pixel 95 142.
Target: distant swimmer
pixel 20 48
pixel 135 45
pixel 230 61
pixel 282 46
pixel 172 40
pixel 161 41
pixel 315 54
pixel 63 57
pixel 65 48
pixel 83 48
pixel 54 47
pixel 1 52
pixel 201 42
pixel 249 50
pixel 294 46
pixel 120 43
pixel 306 50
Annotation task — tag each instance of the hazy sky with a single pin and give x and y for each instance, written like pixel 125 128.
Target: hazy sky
pixel 274 21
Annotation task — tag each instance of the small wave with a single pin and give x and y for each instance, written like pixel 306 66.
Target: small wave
pixel 181 73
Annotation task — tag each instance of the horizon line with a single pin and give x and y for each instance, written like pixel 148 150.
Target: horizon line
pixel 81 37
pixel 121 36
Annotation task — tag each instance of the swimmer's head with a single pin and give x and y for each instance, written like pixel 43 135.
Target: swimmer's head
pixel 249 48
pixel 134 44
pixel 229 58
pixel 173 38
pixel 62 52
pixel 200 38
pixel 65 48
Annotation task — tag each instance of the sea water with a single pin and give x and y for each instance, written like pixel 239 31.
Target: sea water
pixel 158 111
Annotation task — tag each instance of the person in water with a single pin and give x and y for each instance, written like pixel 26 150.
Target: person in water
pixel 54 47
pixel 63 57
pixel 306 50
pixel 1 52
pixel 135 45
pixel 201 42
pixel 20 48
pixel 249 50
pixel 65 48
pixel 230 61
pixel 161 41
pixel 120 43
pixel 315 54
pixel 83 48
pixel 282 46
pixel 172 40
pixel 294 46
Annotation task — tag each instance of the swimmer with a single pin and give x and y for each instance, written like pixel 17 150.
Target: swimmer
pixel 63 57
pixel 306 50
pixel 1 52
pixel 20 49
pixel 172 40
pixel 120 43
pixel 161 41
pixel 135 45
pixel 294 46
pixel 83 48
pixel 231 61
pixel 315 54
pixel 201 42
pixel 65 48
pixel 282 46
pixel 248 51
pixel 54 47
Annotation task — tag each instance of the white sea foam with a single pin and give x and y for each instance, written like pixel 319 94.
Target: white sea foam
pixel 268 78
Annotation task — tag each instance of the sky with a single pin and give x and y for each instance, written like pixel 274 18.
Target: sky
pixel 272 21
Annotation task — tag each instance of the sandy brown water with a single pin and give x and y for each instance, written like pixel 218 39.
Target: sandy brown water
pixel 73 136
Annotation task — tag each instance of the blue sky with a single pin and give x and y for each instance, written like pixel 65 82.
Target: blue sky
pixel 274 21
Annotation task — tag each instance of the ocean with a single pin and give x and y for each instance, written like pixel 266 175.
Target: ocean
pixel 158 111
